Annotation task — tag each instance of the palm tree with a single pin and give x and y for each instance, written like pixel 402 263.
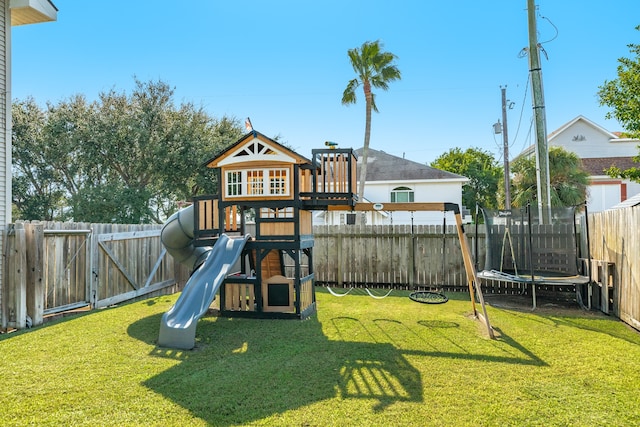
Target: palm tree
pixel 374 68
pixel 569 179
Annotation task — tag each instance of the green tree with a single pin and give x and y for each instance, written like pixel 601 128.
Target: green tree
pixel 483 171
pixel 568 179
pixel 374 68
pixel 126 158
pixel 36 189
pixel 623 96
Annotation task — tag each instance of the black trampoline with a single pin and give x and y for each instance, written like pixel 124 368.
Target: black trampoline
pixel 536 248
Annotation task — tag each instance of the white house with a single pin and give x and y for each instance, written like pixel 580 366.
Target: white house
pixel 599 149
pixel 395 179
pixel 12 13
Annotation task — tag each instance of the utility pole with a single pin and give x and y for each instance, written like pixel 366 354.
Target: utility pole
pixel 542 151
pixel 505 146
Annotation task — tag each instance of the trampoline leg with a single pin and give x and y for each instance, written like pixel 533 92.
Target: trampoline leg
pixel 533 292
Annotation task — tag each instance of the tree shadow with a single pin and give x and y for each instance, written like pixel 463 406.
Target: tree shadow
pixel 243 370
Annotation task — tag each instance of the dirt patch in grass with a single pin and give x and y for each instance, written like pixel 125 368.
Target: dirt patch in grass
pixel 563 303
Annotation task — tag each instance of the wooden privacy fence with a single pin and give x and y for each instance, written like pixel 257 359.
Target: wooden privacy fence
pixel 396 255
pixel 52 267
pixel 410 257
pixel 615 253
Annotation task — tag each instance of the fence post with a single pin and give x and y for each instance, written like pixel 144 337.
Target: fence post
pixel 94 269
pixel 34 246
pixel 4 286
pixel 16 283
pixel 339 259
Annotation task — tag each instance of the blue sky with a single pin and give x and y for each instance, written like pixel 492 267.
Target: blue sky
pixel 284 64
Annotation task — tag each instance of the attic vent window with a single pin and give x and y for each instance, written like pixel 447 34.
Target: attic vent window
pixel 401 195
pixel 256 149
pixel 579 138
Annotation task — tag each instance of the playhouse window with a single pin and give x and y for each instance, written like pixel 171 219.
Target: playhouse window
pixel 276 212
pixel 257 182
pixel 401 195
pixel 234 183
pixel 278 181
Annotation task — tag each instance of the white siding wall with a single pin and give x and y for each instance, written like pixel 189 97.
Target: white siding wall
pixel 424 191
pixel 589 141
pixel 602 197
pixel 595 143
pixel 5 125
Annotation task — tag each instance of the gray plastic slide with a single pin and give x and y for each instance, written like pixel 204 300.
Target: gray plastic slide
pixel 212 265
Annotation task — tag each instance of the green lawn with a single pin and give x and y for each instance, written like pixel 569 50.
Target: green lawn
pixel 359 362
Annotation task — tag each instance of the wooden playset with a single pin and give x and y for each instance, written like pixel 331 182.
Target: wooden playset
pixel 262 180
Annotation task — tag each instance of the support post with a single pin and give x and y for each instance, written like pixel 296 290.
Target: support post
pixel 505 147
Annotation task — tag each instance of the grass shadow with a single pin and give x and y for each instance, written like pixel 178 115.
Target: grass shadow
pixel 243 370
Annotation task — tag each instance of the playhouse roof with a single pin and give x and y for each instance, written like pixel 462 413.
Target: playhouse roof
pixel 255 146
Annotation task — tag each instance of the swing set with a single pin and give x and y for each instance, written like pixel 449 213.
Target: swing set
pixel 435 296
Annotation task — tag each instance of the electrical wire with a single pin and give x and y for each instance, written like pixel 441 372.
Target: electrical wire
pixel 554 27
pixel 524 99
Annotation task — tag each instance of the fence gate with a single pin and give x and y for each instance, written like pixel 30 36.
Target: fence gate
pixel 51 267
pixel 126 265
pixel 65 272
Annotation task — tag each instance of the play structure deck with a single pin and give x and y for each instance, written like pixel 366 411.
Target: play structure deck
pixel 269 274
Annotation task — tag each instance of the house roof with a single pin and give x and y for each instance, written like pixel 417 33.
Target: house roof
pixel 597 166
pixel 257 144
pixel 630 202
pixel 25 12
pixel 382 166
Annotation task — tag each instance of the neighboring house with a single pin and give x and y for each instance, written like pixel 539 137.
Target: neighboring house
pixel 12 13
pixel 599 149
pixel 395 179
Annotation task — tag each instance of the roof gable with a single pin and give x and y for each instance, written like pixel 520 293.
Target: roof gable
pixel 587 140
pixel 382 166
pixel 580 120
pixel 255 147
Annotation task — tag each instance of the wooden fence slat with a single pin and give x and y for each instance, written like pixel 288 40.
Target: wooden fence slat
pixel 35 270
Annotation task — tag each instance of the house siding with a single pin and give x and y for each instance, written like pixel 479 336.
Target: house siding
pixel 432 191
pixel 5 125
pixel 588 142
pixel 599 149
